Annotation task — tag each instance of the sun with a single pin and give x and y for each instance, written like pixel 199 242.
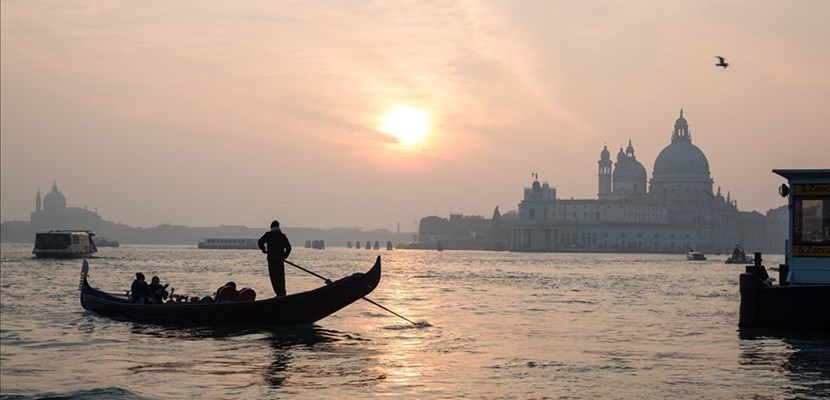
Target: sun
pixel 410 125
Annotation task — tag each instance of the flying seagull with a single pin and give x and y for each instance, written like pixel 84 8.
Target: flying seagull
pixel 722 62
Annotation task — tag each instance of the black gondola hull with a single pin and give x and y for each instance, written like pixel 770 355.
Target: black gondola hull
pixel 296 309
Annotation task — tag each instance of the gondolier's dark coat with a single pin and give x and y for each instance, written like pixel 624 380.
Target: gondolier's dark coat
pixel 276 244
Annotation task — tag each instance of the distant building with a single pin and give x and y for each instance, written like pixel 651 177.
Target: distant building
pixel 52 213
pixel 673 212
pixel 463 232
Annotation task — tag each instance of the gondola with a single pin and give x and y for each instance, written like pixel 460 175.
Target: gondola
pixel 296 309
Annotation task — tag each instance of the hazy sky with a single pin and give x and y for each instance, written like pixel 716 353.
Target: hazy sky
pixel 238 112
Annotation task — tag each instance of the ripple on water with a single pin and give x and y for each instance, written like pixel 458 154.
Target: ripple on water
pixel 501 325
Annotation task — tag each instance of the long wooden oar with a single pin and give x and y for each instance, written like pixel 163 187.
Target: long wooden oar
pixel 328 281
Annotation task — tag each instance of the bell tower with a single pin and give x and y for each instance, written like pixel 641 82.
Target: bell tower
pixel 605 174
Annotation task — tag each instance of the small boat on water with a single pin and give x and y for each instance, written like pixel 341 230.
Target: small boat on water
pixel 801 299
pixel 64 244
pixel 295 309
pixel 738 256
pixel 695 256
pixel 228 243
pixel 104 242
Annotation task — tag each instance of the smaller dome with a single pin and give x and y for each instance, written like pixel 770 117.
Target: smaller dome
pixel 629 170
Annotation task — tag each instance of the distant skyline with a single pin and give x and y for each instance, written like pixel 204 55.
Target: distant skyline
pixel 209 113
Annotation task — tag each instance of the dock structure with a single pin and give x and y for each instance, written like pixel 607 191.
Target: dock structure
pixel 801 299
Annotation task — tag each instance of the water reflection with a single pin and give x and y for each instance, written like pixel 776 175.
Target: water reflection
pixel 283 357
pixel 803 357
pixel 284 342
pixel 307 334
pixel 321 359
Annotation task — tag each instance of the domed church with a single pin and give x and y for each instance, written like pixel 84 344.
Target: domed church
pixel 51 212
pixel 628 181
pixel 681 169
pixel 673 212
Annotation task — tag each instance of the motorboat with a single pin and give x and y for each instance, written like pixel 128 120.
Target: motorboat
pixel 695 256
pixel 738 256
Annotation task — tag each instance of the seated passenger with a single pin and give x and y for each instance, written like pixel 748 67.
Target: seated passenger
pixel 225 292
pixel 228 293
pixel 158 293
pixel 140 290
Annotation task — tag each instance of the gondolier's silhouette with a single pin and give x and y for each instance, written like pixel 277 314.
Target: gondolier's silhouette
pixel 276 245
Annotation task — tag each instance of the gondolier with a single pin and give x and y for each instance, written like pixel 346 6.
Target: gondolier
pixel 276 245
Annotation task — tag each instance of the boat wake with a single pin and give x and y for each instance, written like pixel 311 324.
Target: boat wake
pixel 418 324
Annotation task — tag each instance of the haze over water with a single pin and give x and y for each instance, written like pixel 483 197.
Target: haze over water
pixel 369 114
pixel 497 325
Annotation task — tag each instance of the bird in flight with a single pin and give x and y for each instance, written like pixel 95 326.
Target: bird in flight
pixel 722 62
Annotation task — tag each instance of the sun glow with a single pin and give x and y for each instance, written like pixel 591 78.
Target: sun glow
pixel 410 125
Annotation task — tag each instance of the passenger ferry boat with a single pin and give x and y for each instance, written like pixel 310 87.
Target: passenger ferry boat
pixel 802 297
pixel 64 244
pixel 104 242
pixel 228 243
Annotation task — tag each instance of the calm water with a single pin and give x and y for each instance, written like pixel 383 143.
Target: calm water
pixel 491 325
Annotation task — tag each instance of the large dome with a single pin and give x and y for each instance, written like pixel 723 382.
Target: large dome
pixel 681 158
pixel 54 200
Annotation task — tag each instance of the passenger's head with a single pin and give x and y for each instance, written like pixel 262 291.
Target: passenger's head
pixel 275 224
pixel 155 279
pixel 139 276
pixel 231 285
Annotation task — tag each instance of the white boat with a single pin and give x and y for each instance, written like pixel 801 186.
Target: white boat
pixel 695 256
pixel 802 297
pixel 228 243
pixel 64 244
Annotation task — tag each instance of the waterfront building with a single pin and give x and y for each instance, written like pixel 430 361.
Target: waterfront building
pixel 676 210
pixel 463 232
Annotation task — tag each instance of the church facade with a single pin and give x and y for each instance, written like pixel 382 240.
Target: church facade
pixel 675 211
